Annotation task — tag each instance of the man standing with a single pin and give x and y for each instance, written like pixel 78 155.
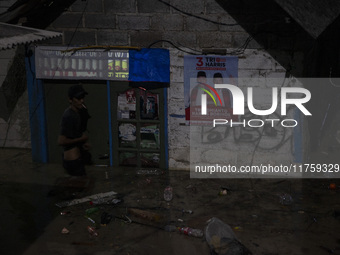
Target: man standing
pixel 73 135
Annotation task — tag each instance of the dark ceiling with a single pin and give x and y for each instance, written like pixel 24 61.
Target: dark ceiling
pixel 35 13
pixel 313 15
pixel 306 26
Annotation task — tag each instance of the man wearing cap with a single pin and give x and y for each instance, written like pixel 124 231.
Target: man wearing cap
pixel 72 136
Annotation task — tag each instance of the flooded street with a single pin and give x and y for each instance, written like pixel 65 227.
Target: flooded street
pixel 267 216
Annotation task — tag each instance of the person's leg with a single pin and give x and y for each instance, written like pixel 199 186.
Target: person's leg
pixel 86 157
pixel 74 167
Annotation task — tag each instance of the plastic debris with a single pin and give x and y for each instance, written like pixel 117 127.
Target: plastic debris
pixel 168 193
pixel 223 192
pixel 332 186
pixel 111 194
pixel 286 199
pixel 105 218
pixel 191 231
pixel 90 219
pixel 187 211
pixel 64 213
pixel 238 228
pixel 65 231
pixel 92 231
pixel 91 210
pixel 107 201
pixel 222 240
pixel 145 214
pixel 149 172
pixel 184 230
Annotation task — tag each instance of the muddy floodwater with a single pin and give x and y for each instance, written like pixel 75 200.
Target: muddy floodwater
pixel 266 216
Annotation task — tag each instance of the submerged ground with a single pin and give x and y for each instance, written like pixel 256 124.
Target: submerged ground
pixel 31 223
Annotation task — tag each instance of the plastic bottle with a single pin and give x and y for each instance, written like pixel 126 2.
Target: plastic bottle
pixel 168 193
pixel 91 210
pixel 191 231
pixel 92 231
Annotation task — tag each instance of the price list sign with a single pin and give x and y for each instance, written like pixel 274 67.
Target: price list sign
pixel 59 63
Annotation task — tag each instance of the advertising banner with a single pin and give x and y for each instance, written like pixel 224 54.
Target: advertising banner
pixel 143 65
pixel 200 75
pixel 58 63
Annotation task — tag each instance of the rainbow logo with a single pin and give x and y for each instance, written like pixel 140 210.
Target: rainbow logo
pixel 209 93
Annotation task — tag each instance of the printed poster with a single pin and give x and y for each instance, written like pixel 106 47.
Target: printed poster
pixel 200 75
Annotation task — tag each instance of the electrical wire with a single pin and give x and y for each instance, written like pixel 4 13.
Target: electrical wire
pixel 175 46
pixel 189 48
pixel 105 47
pixel 330 79
pixel 58 66
pixel 217 22
pixel 78 24
pixel 238 51
pixel 198 17
pixel 241 49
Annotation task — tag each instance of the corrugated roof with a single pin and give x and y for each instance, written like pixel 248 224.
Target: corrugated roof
pixel 13 35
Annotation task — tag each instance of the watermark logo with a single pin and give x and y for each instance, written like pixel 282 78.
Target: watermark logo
pixel 204 97
pixel 238 104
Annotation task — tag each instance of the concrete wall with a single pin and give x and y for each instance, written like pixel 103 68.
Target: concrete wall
pixel 192 26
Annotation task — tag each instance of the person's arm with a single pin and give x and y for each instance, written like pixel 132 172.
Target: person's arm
pixel 64 141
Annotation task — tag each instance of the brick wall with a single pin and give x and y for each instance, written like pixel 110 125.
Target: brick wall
pixel 140 23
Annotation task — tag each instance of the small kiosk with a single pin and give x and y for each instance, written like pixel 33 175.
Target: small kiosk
pixel 127 101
